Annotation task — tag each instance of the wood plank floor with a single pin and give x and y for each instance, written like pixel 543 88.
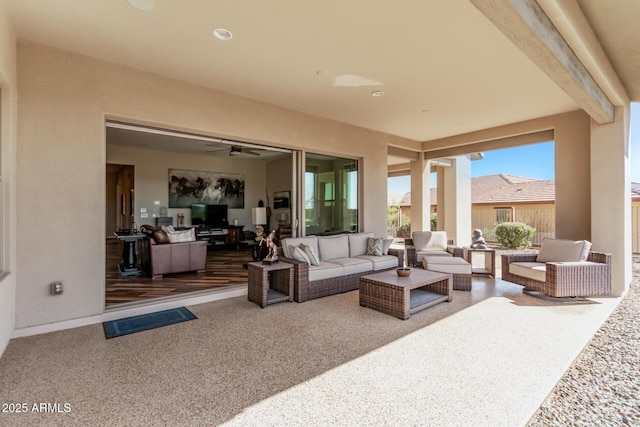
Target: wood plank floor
pixel 224 268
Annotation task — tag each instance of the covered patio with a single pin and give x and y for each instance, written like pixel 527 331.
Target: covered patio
pixel 488 358
pixel 423 82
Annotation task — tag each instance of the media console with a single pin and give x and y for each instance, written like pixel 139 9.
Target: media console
pixel 220 236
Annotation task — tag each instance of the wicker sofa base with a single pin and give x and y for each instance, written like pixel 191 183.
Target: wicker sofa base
pixel 303 290
pixel 327 287
pixel 461 282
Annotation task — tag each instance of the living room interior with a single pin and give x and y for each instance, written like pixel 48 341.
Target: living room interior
pixel 149 154
pixel 140 163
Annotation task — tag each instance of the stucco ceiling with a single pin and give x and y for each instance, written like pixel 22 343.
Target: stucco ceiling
pixel 444 68
pixel 616 24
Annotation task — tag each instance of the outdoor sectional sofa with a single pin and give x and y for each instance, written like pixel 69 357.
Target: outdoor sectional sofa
pixel 562 268
pixel 341 261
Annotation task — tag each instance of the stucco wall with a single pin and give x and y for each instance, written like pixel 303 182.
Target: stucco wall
pixel 279 178
pixel 64 99
pixel 8 109
pixel 573 176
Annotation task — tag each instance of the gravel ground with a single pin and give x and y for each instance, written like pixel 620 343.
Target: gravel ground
pixel 602 387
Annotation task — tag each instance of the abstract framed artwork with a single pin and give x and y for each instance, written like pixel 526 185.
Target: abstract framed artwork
pixel 281 199
pixel 187 187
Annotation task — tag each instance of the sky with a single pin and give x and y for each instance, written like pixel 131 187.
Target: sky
pixel 531 161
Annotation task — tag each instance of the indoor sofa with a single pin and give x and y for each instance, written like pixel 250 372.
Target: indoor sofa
pixel 327 265
pixel 168 251
pixel 562 268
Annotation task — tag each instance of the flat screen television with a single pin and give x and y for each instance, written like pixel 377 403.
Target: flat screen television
pixel 198 214
pixel 217 216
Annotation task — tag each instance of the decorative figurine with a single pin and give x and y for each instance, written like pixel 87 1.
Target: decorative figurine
pixel 477 242
pixel 269 242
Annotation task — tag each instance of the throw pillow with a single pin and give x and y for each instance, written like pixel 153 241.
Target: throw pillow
pixel 168 229
pixel 147 230
pixel 182 236
pixel 160 236
pixel 313 258
pixel 374 246
pixel 299 254
pixel 386 244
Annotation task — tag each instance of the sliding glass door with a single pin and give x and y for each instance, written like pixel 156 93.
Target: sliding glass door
pixel 330 194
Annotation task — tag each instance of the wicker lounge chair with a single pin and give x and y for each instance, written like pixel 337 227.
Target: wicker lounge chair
pixel 591 276
pixel 425 240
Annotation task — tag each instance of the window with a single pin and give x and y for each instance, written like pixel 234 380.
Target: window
pixel 309 198
pixel 504 215
pixel 331 194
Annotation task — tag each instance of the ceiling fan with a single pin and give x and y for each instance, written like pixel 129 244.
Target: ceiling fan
pixel 237 150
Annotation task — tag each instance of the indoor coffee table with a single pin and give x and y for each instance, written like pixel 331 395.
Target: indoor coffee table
pixel 403 296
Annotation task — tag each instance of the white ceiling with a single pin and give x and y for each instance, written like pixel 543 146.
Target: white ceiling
pixel 444 68
pixel 163 140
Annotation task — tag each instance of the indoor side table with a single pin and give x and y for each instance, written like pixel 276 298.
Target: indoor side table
pixel 489 260
pixel 270 284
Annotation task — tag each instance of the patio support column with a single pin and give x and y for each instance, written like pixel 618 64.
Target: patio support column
pixel 440 207
pixel 457 200
pixel 610 195
pixel 420 195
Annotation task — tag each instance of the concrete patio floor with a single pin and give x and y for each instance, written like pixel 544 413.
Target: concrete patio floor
pixel 490 358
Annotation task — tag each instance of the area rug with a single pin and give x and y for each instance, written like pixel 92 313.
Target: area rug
pixel 144 322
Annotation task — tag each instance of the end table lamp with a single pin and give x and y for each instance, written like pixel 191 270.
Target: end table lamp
pixel 259 219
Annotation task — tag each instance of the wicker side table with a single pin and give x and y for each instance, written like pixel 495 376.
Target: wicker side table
pixel 489 261
pixel 270 284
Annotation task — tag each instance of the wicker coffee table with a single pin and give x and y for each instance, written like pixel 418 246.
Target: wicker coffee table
pixel 403 296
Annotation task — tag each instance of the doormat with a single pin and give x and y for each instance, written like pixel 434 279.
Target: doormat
pixel 144 322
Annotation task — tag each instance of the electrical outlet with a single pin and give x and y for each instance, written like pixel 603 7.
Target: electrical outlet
pixel 56 288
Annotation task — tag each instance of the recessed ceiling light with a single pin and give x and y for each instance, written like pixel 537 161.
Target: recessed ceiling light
pixel 145 5
pixel 222 34
pixel 377 93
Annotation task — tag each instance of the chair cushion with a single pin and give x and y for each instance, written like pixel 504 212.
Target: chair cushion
pixel 559 250
pixel 353 265
pixel 325 270
pixel 437 252
pixel 358 243
pixel 332 247
pixel 530 270
pixel 429 240
pixel 445 264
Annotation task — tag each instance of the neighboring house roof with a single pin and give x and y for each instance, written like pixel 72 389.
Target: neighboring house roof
pixel 503 188
pixel 406 199
pixel 635 190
